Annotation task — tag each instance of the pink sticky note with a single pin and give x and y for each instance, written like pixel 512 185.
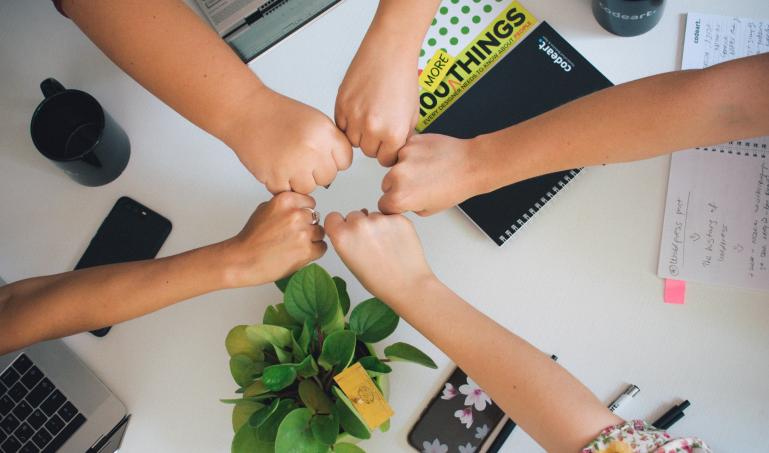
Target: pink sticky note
pixel 675 291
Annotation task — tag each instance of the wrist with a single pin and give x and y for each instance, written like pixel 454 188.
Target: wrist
pixel 417 288
pixel 230 268
pixel 388 32
pixel 484 167
pixel 501 161
pixel 237 118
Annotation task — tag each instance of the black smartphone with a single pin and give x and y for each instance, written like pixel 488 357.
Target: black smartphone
pixel 460 415
pixel 131 232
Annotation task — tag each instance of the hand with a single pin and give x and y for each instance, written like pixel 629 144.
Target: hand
pixel 377 103
pixel 278 239
pixel 434 172
pixel 287 145
pixel 382 251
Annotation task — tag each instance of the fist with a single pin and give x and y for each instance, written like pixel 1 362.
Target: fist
pixel 433 173
pixel 382 251
pixel 278 239
pixel 377 103
pixel 290 146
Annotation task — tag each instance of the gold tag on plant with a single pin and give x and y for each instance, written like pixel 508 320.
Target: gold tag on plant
pixel 364 395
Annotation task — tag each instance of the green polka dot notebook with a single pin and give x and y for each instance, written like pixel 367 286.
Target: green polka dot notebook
pixel 456 23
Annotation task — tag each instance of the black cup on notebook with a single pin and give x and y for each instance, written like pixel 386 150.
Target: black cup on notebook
pixel 628 17
pixel 72 130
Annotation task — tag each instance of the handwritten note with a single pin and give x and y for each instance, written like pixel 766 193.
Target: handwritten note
pixel 716 227
pixel 712 39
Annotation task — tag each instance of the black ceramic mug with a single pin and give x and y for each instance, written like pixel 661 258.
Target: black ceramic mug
pixel 628 17
pixel 72 130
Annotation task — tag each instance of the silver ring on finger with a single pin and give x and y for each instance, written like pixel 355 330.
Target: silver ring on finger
pixel 315 216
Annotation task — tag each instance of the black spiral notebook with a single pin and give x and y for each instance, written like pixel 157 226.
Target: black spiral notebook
pixel 542 72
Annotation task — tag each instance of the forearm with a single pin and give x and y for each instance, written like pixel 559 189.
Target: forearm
pixel 635 120
pixel 53 306
pixel 403 23
pixel 170 51
pixel 543 398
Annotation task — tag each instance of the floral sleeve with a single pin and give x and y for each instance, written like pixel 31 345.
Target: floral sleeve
pixel 638 436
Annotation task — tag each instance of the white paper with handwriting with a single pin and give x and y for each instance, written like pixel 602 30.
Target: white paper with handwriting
pixel 716 227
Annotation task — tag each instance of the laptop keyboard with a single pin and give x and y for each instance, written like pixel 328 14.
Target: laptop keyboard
pixel 34 415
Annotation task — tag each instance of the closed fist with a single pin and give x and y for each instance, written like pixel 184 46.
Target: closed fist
pixel 277 240
pixel 377 103
pixel 433 173
pixel 382 251
pixel 290 146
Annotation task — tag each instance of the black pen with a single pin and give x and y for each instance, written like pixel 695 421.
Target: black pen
pixel 672 421
pixel 667 418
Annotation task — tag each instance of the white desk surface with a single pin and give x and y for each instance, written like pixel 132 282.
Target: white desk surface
pixel 579 281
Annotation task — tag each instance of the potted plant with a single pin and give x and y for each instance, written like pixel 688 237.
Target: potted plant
pixel 285 366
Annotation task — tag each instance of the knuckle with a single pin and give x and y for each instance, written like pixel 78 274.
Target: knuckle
pixel 295 217
pixel 283 199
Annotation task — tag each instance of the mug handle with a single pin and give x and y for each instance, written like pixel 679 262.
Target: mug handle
pixel 51 86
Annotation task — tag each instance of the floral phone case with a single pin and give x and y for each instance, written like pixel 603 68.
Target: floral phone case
pixel 459 419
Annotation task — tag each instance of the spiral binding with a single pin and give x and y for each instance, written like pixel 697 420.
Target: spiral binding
pixel 540 204
pixel 739 148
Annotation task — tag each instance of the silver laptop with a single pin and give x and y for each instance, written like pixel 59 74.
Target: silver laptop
pixel 227 16
pixel 251 27
pixel 51 402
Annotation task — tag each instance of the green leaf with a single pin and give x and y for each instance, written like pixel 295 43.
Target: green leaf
pixel 275 335
pixel 283 283
pixel 237 342
pixel 383 384
pixel 408 353
pixel 255 389
pixel 262 414
pixel 295 434
pixel 314 398
pixel 325 428
pixel 384 427
pixel 311 295
pixel 348 448
pixel 297 352
pixel 242 411
pixel 373 321
pixel 276 315
pixel 338 349
pixel 279 337
pixel 374 366
pixel 267 422
pixel 245 441
pixel 344 297
pixel 243 369
pixel 352 423
pixel 283 355
pixel 278 377
pixel 305 337
pixel 307 368
pixel 336 324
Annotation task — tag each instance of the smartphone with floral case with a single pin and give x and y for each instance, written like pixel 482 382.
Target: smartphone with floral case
pixel 461 418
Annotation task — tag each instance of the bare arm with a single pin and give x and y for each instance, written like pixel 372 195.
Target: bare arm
pixel 377 101
pixel 550 404
pixel 637 120
pixel 54 306
pixel 277 240
pixel 632 121
pixel 170 51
